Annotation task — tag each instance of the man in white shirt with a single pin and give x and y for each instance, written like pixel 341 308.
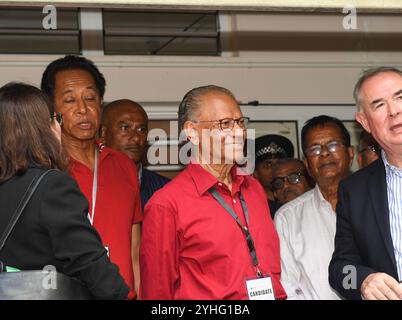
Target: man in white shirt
pixel 306 226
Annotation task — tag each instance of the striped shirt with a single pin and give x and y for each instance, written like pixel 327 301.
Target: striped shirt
pixel 394 191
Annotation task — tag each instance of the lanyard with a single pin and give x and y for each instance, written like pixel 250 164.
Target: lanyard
pixel 249 238
pixel 94 188
pixel 140 173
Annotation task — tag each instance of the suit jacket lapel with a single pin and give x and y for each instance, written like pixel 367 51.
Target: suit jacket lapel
pixel 379 199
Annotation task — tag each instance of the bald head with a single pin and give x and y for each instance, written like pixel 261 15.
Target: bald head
pixel 125 128
pixel 120 105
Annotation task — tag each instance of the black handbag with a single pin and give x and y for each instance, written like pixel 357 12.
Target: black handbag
pixel 33 285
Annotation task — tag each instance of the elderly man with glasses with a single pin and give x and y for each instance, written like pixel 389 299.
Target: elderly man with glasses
pixel 307 225
pixel 207 234
pixel 290 180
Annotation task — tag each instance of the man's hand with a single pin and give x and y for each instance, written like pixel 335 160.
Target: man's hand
pixel 381 286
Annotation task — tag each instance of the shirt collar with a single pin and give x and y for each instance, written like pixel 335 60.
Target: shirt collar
pixel 389 168
pixel 104 151
pixel 203 180
pixel 319 198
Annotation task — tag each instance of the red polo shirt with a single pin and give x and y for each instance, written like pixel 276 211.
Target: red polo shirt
pixel 118 205
pixel 192 248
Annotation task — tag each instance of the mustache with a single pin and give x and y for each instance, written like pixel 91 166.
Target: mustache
pixel 331 163
pixel 289 191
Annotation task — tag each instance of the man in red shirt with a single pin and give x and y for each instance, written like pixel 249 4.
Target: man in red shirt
pixel 125 128
pixel 106 177
pixel 207 234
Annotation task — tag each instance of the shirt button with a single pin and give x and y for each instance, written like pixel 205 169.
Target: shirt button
pixel 234 201
pixel 220 184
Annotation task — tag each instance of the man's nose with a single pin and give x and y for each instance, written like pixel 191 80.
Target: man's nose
pixel 238 133
pixel 324 151
pixel 394 108
pixel 286 184
pixel 134 135
pixel 82 106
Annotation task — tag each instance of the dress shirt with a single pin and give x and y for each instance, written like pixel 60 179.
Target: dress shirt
pixel 193 249
pixel 394 192
pixel 118 205
pixel 306 227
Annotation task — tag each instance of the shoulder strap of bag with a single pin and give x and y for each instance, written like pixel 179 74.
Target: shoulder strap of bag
pixel 21 206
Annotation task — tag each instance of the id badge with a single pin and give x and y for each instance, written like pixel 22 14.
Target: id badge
pixel 260 289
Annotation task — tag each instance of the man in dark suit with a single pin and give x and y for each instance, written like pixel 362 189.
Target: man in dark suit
pixel 125 128
pixel 367 261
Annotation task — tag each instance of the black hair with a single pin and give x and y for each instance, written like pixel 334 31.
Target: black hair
pixel 321 121
pixel 70 62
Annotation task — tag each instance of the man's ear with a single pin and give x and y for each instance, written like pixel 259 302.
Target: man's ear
pixel 306 165
pixel 351 151
pixel 56 129
pixel 362 119
pixel 275 193
pixel 360 160
pixel 255 174
pixel 191 132
pixel 102 133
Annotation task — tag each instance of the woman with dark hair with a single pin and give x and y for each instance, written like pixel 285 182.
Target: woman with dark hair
pixel 53 228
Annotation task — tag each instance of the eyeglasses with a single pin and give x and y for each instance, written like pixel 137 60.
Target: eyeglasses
pixel 227 124
pixel 58 116
pixel 316 149
pixel 292 178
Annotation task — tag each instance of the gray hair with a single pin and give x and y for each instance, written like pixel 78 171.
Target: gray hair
pixel 367 74
pixel 192 100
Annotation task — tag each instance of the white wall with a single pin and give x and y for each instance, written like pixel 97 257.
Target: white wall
pixel 246 67
pixel 167 80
